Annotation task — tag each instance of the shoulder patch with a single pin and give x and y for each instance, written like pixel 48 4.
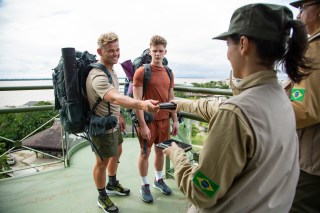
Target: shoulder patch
pixel 205 184
pixel 297 94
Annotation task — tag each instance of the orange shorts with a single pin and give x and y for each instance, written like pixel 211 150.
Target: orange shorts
pixel 160 131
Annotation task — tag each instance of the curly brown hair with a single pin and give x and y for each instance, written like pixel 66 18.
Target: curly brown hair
pixel 158 40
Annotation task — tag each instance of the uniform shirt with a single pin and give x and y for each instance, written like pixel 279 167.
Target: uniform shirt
pixel 305 98
pixel 306 108
pixel 251 151
pixel 158 87
pixel 97 86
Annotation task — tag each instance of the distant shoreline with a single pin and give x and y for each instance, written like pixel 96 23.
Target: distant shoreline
pixel 41 79
pixel 25 79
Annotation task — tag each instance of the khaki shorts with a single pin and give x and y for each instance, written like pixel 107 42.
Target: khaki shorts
pixel 159 132
pixel 107 145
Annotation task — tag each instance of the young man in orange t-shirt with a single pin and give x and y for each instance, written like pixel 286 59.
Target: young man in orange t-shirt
pixel 160 87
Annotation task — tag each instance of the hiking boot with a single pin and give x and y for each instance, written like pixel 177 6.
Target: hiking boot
pixel 117 190
pixel 162 186
pixel 146 194
pixel 107 205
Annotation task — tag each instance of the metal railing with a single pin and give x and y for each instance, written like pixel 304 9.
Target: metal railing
pixel 17 144
pixel 65 155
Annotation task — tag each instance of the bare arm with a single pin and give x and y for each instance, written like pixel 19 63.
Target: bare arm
pixel 137 94
pixel 115 97
pixel 144 129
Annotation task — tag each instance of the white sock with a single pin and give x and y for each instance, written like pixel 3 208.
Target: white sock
pixel 144 180
pixel 158 175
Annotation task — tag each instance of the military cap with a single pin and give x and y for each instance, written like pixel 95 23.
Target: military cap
pixel 297 4
pixel 262 21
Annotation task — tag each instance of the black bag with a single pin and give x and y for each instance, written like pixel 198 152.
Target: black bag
pixel 99 125
pixel 69 85
pixel 69 79
pixel 148 117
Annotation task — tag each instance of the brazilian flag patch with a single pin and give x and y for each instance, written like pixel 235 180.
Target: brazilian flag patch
pixel 297 94
pixel 205 184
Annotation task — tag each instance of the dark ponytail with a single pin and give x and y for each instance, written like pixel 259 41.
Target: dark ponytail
pixel 290 53
pixel 294 56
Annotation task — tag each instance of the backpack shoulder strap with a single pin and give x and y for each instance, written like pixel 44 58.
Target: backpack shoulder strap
pixel 100 66
pixel 146 78
pixel 169 71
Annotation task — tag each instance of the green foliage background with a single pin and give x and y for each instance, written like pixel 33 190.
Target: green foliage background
pixel 15 126
pixel 198 139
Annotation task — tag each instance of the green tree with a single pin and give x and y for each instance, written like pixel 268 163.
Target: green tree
pixel 212 84
pixel 180 94
pixel 194 131
pixel 4 166
pixel 198 140
pixel 15 126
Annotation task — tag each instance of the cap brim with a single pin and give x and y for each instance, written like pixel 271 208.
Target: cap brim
pixel 223 36
pixel 296 4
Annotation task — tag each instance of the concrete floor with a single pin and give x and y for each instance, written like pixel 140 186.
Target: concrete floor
pixel 72 189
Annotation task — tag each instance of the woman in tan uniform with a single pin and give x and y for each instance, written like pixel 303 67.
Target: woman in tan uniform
pixel 307 110
pixel 249 162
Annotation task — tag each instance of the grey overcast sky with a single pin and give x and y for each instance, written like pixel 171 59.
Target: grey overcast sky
pixel 32 32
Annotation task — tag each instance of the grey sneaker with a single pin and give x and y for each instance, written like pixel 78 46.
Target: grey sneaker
pixel 107 205
pixel 162 186
pixel 117 189
pixel 146 194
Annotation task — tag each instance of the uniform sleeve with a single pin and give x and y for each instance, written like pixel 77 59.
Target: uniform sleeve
pixel 138 77
pixel 306 107
pixel 229 146
pixel 306 111
pixel 204 107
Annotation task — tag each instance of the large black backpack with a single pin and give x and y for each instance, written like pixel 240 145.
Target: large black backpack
pixel 69 83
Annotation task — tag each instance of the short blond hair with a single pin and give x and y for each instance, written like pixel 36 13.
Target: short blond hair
pixel 158 40
pixel 107 38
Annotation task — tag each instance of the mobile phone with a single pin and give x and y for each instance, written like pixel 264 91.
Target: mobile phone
pixel 167 143
pixel 168 105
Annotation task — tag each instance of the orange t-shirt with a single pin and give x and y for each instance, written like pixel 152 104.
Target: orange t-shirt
pixel 157 88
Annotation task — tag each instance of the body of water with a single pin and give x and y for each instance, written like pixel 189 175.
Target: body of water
pixel 18 98
pixel 21 97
